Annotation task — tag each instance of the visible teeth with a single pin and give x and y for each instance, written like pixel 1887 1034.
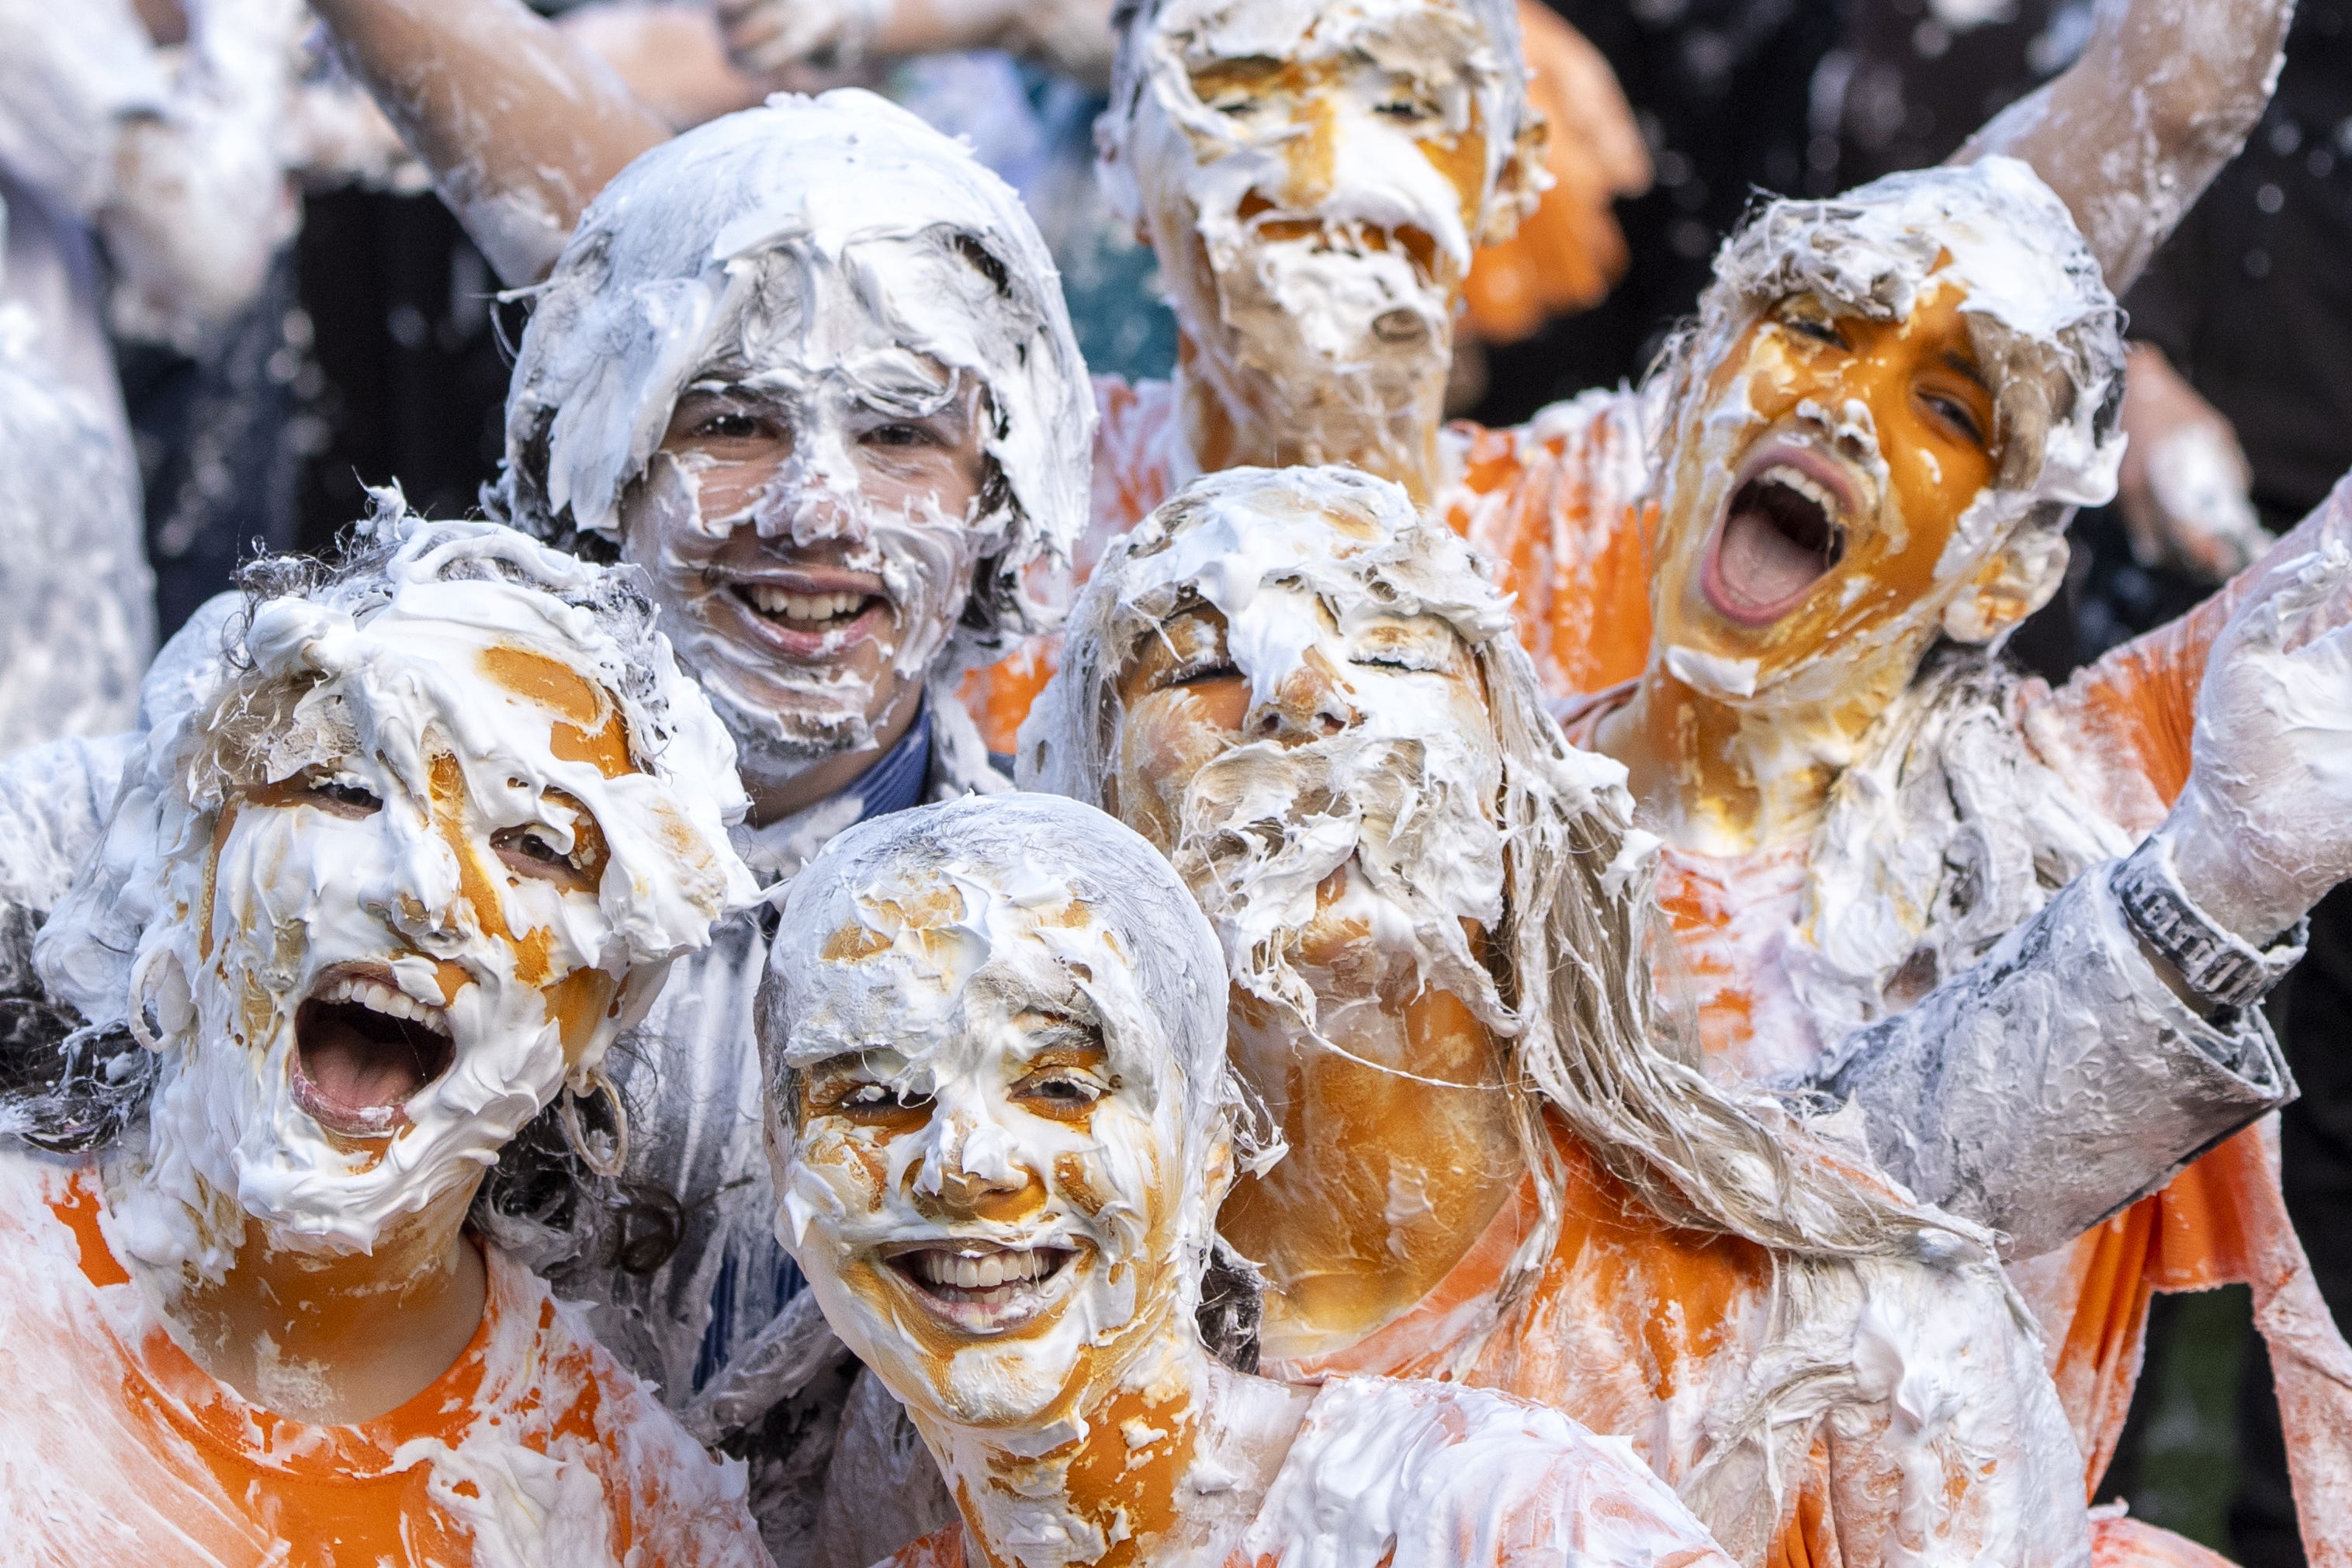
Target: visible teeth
pixel 770 599
pixel 379 998
pixel 1804 484
pixel 978 1270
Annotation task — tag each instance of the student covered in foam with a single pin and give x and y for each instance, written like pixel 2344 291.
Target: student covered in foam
pixel 808 367
pixel 1500 1169
pixel 1900 872
pixel 393 889
pixel 1002 1121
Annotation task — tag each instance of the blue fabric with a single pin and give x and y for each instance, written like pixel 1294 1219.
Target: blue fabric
pixel 895 783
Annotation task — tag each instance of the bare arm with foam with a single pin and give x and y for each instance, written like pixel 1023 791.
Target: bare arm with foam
pixel 172 159
pixel 2057 1080
pixel 2130 135
pixel 521 125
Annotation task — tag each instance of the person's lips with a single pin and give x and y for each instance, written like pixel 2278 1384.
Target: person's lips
pixel 809 614
pixel 363 1049
pixel 980 1287
pixel 1781 531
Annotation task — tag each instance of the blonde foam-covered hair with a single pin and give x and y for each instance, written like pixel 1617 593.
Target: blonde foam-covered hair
pixel 1573 991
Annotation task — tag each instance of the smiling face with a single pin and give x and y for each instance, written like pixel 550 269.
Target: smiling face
pixel 992 1167
pixel 1313 182
pixel 812 537
pixel 396 952
pixel 1821 482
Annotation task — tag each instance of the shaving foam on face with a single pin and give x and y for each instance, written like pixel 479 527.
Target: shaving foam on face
pixel 2043 328
pixel 838 255
pixel 936 952
pixel 1308 193
pixel 333 815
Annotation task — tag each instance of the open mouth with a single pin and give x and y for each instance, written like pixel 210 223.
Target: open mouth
pixel 1782 531
pixel 808 619
pixel 363 1049
pixel 982 1288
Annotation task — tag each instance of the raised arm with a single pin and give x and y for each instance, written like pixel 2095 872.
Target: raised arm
pixel 521 125
pixel 2131 134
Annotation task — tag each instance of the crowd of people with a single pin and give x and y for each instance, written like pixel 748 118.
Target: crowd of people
pixel 968 917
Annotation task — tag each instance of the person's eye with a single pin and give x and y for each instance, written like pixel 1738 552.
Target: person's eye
pixel 341 793
pixel 1399 659
pixel 1820 329
pixel 533 851
pixel 1059 1091
pixel 731 425
pixel 1958 414
pixel 901 432
pixel 1201 671
pixel 865 1099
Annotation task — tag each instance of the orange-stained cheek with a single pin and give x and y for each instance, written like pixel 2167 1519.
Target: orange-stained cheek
pixel 532 952
pixel 1462 159
pixel 447 781
pixel 1075 1180
pixel 451 978
pixel 1165 738
pixel 576 1005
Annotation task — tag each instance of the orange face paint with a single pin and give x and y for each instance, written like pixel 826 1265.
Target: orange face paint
pixel 1865 442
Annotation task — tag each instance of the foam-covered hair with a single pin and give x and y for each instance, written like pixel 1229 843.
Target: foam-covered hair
pixel 269 712
pixel 1281 29
pixel 679 257
pixel 1577 1003
pixel 2045 327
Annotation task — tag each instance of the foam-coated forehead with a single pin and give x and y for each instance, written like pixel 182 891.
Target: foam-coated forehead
pixel 500 584
pixel 2035 291
pixel 657 282
pixel 1356 541
pixel 1145 954
pixel 1199 31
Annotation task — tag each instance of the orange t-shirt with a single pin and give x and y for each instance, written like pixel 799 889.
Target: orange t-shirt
pixel 1426 1475
pixel 115 1447
pixel 1556 508
pixel 1663 1336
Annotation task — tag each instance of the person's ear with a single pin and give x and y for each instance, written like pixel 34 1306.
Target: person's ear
pixel 2017 579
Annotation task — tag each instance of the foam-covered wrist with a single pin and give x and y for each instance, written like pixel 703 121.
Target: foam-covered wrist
pixel 2216 861
pixel 2221 969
